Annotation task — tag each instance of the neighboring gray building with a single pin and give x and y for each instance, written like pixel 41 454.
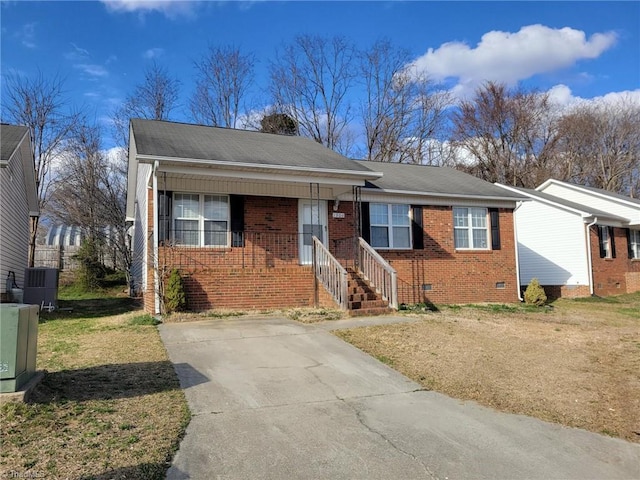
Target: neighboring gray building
pixel 19 200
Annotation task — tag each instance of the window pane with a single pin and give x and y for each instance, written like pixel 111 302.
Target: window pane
pixel 215 233
pixel 379 237
pixel 215 207
pixel 400 215
pixel 479 217
pixel 460 217
pixel 186 232
pixel 401 237
pixel 461 238
pixel 378 214
pixel 479 238
pixel 635 244
pixel 186 205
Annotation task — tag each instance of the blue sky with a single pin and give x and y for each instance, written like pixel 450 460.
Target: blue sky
pixel 576 50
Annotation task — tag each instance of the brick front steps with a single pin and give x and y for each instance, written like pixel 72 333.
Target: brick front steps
pixel 363 300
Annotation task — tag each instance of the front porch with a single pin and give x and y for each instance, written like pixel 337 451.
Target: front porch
pixel 265 270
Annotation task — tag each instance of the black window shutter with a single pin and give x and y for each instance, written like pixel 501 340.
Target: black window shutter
pixel 365 222
pixel 494 216
pixel 165 207
pixel 417 231
pixel 612 242
pixel 629 249
pixel 236 204
pixel 603 252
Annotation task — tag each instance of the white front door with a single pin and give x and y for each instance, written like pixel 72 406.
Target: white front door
pixel 312 220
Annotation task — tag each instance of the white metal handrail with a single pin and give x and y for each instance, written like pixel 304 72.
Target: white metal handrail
pixel 378 272
pixel 330 273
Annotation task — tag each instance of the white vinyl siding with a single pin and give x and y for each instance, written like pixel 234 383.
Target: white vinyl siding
pixel 140 229
pixel 611 206
pixel 470 228
pixel 14 221
pixel 390 225
pixel 551 245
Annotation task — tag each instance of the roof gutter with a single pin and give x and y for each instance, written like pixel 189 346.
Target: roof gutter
pixel 589 256
pixel 156 272
pixel 447 195
pixel 370 174
pixel 515 236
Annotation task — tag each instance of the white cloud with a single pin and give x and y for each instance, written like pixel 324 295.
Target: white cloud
pixel 27 35
pixel 92 70
pixel 508 57
pixel 170 8
pixel 563 97
pixel 153 53
pixel 77 54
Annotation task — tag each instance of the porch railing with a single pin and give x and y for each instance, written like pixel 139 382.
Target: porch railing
pixel 378 272
pixel 330 273
pixel 234 249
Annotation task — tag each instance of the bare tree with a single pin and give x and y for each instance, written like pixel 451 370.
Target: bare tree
pixel 509 134
pixel 155 98
pixel 403 116
pixel 600 145
pixel 310 80
pixel 90 192
pixel 40 104
pixel 224 76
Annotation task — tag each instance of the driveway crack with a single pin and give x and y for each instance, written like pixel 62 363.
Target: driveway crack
pixel 361 419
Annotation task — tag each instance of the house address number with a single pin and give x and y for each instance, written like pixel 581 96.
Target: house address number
pixel 338 214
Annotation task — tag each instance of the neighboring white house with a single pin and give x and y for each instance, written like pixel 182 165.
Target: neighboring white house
pixel 567 237
pixel 19 201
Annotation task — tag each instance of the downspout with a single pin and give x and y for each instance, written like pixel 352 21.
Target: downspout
pixel 515 236
pixel 589 258
pixel 156 273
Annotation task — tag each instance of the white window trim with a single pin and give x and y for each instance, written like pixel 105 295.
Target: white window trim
pixel 606 241
pixel 201 221
pixel 470 228
pixel 635 244
pixel 390 226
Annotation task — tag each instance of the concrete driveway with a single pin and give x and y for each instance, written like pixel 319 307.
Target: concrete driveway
pixel 275 399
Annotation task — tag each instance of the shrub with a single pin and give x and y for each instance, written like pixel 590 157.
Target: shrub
pixel 174 296
pixel 91 270
pixel 534 294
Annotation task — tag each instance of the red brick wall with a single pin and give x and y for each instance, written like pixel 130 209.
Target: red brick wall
pixel 454 276
pixel 249 288
pixel 610 274
pixel 556 291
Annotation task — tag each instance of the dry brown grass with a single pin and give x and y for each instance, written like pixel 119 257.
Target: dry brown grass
pixel 110 405
pixel 577 364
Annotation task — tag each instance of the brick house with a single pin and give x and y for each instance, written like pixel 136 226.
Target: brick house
pixel 254 220
pixel 578 241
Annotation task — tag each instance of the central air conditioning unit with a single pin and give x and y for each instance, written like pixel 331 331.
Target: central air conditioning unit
pixel 41 287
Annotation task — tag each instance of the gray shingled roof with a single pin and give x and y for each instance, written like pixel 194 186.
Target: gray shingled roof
pixel 184 141
pixel 10 136
pixel 433 181
pixel 576 206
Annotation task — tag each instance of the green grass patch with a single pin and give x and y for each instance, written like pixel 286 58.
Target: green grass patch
pixel 145 319
pixel 110 404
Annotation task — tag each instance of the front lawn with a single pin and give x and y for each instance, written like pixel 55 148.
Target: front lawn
pixel 110 405
pixel 576 363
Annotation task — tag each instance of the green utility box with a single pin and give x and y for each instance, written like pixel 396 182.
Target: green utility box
pixel 18 344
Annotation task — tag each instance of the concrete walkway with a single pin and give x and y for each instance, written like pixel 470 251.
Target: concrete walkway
pixel 274 399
